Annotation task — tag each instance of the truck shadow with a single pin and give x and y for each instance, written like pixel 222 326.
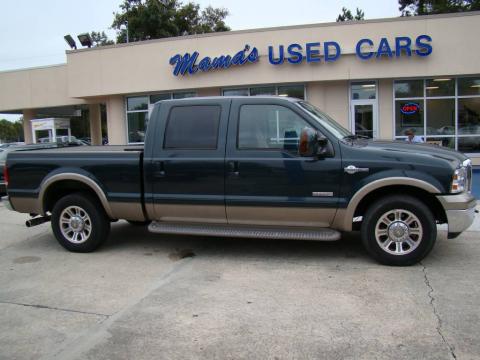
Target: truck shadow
pixel 125 237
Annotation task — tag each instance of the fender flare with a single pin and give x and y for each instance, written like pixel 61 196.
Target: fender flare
pixel 344 217
pixel 75 177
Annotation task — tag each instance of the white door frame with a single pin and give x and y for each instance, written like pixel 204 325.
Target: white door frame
pixel 373 102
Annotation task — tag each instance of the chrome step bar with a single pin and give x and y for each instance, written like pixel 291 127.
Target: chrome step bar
pixel 239 231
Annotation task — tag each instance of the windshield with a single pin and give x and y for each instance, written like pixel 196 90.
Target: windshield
pixel 326 121
pixel 3 155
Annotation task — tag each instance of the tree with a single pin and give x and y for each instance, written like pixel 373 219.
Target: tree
pixel 155 19
pixel 100 39
pixel 11 131
pixel 346 15
pixel 428 7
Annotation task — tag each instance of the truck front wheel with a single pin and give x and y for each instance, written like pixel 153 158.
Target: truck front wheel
pixel 398 230
pixel 79 223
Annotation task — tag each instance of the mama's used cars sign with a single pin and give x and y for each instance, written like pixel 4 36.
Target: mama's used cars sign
pixel 313 52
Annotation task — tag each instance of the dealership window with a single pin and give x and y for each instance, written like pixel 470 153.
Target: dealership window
pixel 138 109
pixel 442 111
pixel 296 91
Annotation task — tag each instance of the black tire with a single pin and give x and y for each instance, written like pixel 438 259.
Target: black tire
pixel 99 223
pixel 407 255
pixel 139 223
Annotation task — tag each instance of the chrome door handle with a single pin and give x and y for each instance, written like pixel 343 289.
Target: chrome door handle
pixel 352 169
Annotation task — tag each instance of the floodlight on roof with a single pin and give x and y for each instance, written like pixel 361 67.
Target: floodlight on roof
pixel 85 39
pixel 70 42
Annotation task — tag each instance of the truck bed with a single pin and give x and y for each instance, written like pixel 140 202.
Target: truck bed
pixel 117 169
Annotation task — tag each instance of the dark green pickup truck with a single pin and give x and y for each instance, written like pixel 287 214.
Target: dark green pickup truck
pixel 265 167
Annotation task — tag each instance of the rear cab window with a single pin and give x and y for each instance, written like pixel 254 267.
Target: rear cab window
pixel 192 127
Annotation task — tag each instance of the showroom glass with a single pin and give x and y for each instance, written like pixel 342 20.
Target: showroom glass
pixel 440 87
pixel 406 118
pixel 192 127
pixel 408 88
pixel 468 86
pixel 262 90
pixel 441 117
pixel 295 91
pixel 269 127
pixel 451 118
pixel 137 110
pixel 137 103
pixel 363 90
pixel 236 92
pixel 137 126
pixel 159 97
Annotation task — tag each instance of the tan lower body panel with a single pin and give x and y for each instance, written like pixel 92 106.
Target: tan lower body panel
pixel 214 214
pixel 282 216
pixel 26 205
pixel 127 211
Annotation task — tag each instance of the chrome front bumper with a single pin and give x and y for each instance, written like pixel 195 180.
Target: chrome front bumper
pixel 6 202
pixel 460 211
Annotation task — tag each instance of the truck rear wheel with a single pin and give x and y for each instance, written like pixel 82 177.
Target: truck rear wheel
pixel 398 230
pixel 79 223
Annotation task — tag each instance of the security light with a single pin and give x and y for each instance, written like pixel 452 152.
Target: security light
pixel 70 41
pixel 85 39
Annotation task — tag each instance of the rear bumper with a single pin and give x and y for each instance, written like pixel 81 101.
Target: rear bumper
pixel 460 211
pixel 3 188
pixel 6 202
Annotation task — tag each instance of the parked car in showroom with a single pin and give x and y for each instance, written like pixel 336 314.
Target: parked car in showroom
pixel 263 166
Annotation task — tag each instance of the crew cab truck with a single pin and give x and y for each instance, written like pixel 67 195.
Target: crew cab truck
pixel 266 167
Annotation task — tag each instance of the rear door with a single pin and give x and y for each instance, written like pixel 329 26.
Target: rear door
pixel 186 171
pixel 267 182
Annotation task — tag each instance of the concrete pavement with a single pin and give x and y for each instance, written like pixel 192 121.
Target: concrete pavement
pixel 145 296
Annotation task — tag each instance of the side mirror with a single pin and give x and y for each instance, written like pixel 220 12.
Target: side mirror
pixel 312 143
pixel 309 142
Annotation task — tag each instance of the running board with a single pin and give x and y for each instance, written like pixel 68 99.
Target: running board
pixel 238 231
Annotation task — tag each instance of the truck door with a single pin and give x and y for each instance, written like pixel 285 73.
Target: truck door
pixel 267 182
pixel 186 172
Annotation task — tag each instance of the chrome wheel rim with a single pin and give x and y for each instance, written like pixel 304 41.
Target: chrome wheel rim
pixel 398 232
pixel 75 224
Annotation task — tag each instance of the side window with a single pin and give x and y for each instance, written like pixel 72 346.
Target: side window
pixel 192 127
pixel 269 127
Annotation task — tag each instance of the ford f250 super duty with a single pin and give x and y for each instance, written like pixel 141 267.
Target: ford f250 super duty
pixel 256 167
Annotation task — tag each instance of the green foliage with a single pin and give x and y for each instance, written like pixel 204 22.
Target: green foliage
pixel 428 7
pixel 100 39
pixel 11 131
pixel 346 15
pixel 155 19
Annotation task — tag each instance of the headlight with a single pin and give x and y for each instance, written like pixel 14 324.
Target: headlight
pixel 459 180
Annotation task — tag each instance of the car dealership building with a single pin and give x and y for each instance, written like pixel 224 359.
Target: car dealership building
pixel 379 78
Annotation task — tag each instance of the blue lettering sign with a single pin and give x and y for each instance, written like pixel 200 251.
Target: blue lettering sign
pixel 365 49
pixel 187 64
pixel 313 55
pixel 358 49
pixel 271 55
pixel 326 50
pixel 384 48
pixel 424 49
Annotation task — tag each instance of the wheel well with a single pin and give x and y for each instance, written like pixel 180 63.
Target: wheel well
pixel 427 198
pixel 62 188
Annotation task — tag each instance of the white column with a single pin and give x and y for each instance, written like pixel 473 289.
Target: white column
pixel 28 115
pixel 116 120
pixel 95 118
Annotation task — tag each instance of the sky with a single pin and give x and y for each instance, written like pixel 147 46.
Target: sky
pixel 31 31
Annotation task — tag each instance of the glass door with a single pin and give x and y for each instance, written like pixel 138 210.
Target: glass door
pixel 363 109
pixel 364 119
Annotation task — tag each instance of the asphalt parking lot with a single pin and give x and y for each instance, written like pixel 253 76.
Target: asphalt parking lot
pixel 145 296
